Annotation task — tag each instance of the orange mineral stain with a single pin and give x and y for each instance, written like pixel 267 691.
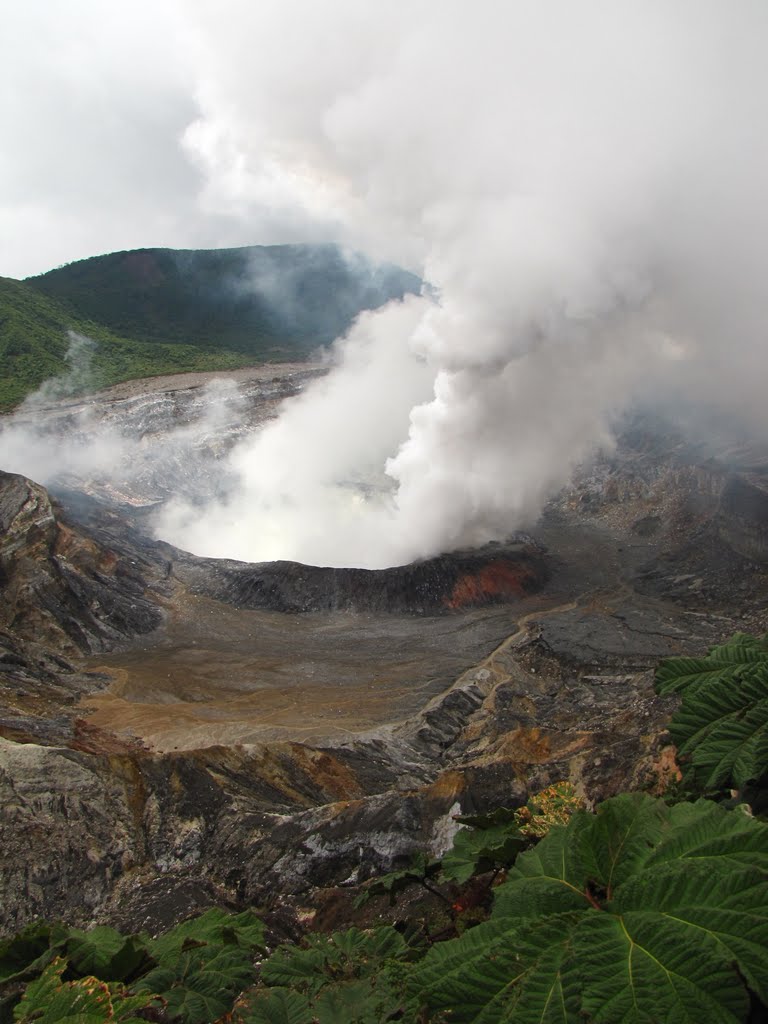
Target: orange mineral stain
pixel 496 580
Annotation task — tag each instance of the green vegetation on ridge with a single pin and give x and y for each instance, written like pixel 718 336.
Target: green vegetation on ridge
pixel 157 311
pixel 268 301
pixel 34 341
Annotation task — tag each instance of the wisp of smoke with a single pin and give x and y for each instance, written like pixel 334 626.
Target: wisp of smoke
pixel 582 188
pixel 132 451
pixel 310 485
pixel 582 185
pixel 48 450
pixel 76 380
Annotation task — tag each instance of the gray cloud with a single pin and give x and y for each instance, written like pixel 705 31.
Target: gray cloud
pixel 95 101
pixel 582 184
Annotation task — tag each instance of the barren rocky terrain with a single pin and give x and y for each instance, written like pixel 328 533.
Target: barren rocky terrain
pixel 176 731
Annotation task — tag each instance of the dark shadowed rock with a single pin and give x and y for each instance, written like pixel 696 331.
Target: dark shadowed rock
pixel 60 586
pixel 96 828
pixel 465 579
pixel 742 519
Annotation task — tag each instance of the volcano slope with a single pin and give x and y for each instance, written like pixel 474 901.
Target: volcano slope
pixel 178 731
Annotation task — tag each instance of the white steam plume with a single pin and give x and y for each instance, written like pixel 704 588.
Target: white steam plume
pixel 130 451
pixel 74 381
pixel 32 445
pixel 582 184
pixel 309 484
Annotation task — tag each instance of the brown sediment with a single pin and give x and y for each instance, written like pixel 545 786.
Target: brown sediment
pixel 83 550
pixel 89 738
pixel 222 675
pixel 665 770
pixel 328 772
pixel 448 784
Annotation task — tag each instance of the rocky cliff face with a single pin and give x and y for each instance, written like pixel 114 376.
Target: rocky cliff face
pixel 517 667
pixel 60 585
pixel 91 816
pixel 742 520
pixel 497 574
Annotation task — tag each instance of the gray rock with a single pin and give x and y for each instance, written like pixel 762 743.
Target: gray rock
pixel 96 827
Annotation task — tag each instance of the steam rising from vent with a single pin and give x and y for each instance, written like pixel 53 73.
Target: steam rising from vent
pixel 76 380
pixel 33 447
pixel 133 451
pixel 582 185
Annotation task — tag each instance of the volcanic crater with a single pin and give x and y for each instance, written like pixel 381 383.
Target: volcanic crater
pixel 179 725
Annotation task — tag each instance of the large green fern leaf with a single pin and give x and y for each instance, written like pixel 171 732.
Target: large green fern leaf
pixel 723 910
pixel 105 953
pixel 701 833
pixel 354 976
pixel 26 954
pixel 202 983
pixel 503 971
pixel 725 661
pixel 722 730
pixel 721 727
pixel 277 1006
pixel 51 1000
pixel 215 927
pixel 633 969
pixel 640 913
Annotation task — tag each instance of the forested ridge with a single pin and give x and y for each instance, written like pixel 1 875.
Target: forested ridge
pixel 36 336
pixel 157 311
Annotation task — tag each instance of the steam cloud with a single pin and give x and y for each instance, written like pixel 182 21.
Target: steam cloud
pixel 32 446
pixel 583 185
pixel 123 451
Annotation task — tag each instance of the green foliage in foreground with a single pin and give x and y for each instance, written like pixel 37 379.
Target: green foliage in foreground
pixel 721 727
pixel 641 913
pixel 495 840
pixel 420 870
pixel 348 976
pixel 194 971
pixel 85 1001
pixel 203 964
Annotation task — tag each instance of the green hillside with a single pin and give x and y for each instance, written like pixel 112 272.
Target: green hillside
pixel 34 341
pixel 155 311
pixel 263 300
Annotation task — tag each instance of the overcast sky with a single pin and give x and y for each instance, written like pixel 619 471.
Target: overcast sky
pixel 101 107
pixel 583 182
pixel 188 123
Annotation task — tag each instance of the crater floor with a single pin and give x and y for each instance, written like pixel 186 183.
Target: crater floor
pixel 222 675
pixel 282 751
